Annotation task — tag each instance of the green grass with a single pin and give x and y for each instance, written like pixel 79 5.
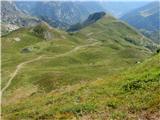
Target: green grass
pixel 98 96
pixel 91 81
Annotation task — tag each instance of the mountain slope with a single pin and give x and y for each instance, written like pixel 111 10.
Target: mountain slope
pixel 37 70
pixel 100 23
pixel 90 20
pixel 133 94
pixel 13 18
pixel 145 19
pixel 59 13
pixel 120 8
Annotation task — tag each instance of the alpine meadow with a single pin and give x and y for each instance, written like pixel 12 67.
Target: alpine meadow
pixel 80 60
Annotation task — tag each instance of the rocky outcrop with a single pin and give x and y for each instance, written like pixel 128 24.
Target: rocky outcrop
pixel 13 18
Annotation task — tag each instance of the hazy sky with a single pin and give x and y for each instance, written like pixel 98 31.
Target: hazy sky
pixel 114 0
pixel 81 0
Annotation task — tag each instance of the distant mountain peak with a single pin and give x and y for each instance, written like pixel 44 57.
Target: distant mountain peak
pixel 96 16
pixel 92 18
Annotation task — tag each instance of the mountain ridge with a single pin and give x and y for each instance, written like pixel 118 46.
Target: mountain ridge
pixel 63 14
pixel 92 18
pixel 146 19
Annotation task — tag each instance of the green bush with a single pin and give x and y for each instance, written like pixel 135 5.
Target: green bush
pixel 80 108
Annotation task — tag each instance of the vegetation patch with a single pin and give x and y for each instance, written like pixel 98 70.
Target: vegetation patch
pixel 140 84
pixel 80 108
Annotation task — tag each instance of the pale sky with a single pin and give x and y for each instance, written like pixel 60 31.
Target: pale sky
pixel 84 0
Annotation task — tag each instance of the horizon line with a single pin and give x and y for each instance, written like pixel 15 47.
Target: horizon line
pixel 85 0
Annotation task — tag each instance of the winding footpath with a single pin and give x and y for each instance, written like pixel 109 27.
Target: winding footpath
pixel 21 65
pixel 16 71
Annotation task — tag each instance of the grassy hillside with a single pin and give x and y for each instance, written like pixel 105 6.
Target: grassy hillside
pixel 155 36
pixel 25 44
pixel 130 95
pixel 47 73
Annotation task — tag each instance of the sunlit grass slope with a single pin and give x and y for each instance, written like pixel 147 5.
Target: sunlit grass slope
pixel 72 65
pixel 131 95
